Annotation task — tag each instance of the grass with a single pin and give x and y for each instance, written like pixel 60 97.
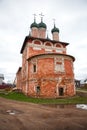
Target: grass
pixel 24 98
pixel 82 89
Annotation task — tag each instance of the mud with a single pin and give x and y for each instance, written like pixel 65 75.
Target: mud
pixel 15 115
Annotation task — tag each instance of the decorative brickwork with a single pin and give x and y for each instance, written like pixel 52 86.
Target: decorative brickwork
pixel 47 70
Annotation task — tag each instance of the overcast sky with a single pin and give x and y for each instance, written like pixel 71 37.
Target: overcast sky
pixel 16 17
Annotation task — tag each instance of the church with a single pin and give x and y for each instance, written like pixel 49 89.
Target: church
pixel 47 70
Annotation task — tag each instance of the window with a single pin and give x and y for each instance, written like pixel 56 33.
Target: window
pixel 38 89
pixel 59 65
pixel 34 67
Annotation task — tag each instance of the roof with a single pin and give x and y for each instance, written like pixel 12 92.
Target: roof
pixel 77 80
pixel 55 29
pixel 44 40
pixel 42 25
pixel 4 86
pixel 34 24
pixel 51 54
pixel 2 76
pixel 19 69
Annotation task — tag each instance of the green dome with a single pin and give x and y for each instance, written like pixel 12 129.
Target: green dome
pixel 34 24
pixel 42 25
pixel 55 29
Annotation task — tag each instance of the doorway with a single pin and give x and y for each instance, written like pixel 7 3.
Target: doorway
pixel 61 91
pixel 38 89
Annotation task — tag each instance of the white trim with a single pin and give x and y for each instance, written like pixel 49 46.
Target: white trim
pixel 61 66
pixel 36 48
pixel 58 50
pixel 43 46
pixel 48 50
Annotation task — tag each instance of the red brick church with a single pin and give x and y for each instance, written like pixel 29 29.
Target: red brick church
pixel 47 69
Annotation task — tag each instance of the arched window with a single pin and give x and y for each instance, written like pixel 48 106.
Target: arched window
pixel 58 45
pixel 48 44
pixel 37 42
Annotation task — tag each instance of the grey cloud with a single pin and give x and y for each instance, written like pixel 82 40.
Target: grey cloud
pixel 17 15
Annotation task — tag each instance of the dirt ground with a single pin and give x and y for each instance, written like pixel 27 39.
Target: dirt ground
pixel 15 115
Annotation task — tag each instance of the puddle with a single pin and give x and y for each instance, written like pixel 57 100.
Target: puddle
pixel 13 112
pixel 81 106
pixel 59 105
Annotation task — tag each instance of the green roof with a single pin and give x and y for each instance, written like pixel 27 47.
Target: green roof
pixel 42 25
pixel 34 24
pixel 55 29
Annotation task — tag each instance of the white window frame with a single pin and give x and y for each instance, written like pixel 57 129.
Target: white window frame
pixel 59 65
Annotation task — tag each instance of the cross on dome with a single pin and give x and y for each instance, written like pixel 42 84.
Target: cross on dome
pixel 41 15
pixel 34 24
pixel 34 17
pixel 54 21
pixel 55 29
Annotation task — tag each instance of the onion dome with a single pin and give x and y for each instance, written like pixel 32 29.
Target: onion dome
pixel 34 24
pixel 55 29
pixel 42 25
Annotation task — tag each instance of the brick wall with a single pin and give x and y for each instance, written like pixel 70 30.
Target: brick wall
pixel 47 71
pixel 49 80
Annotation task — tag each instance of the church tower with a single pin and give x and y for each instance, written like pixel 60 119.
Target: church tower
pixel 42 28
pixel 38 30
pixel 34 28
pixel 55 33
